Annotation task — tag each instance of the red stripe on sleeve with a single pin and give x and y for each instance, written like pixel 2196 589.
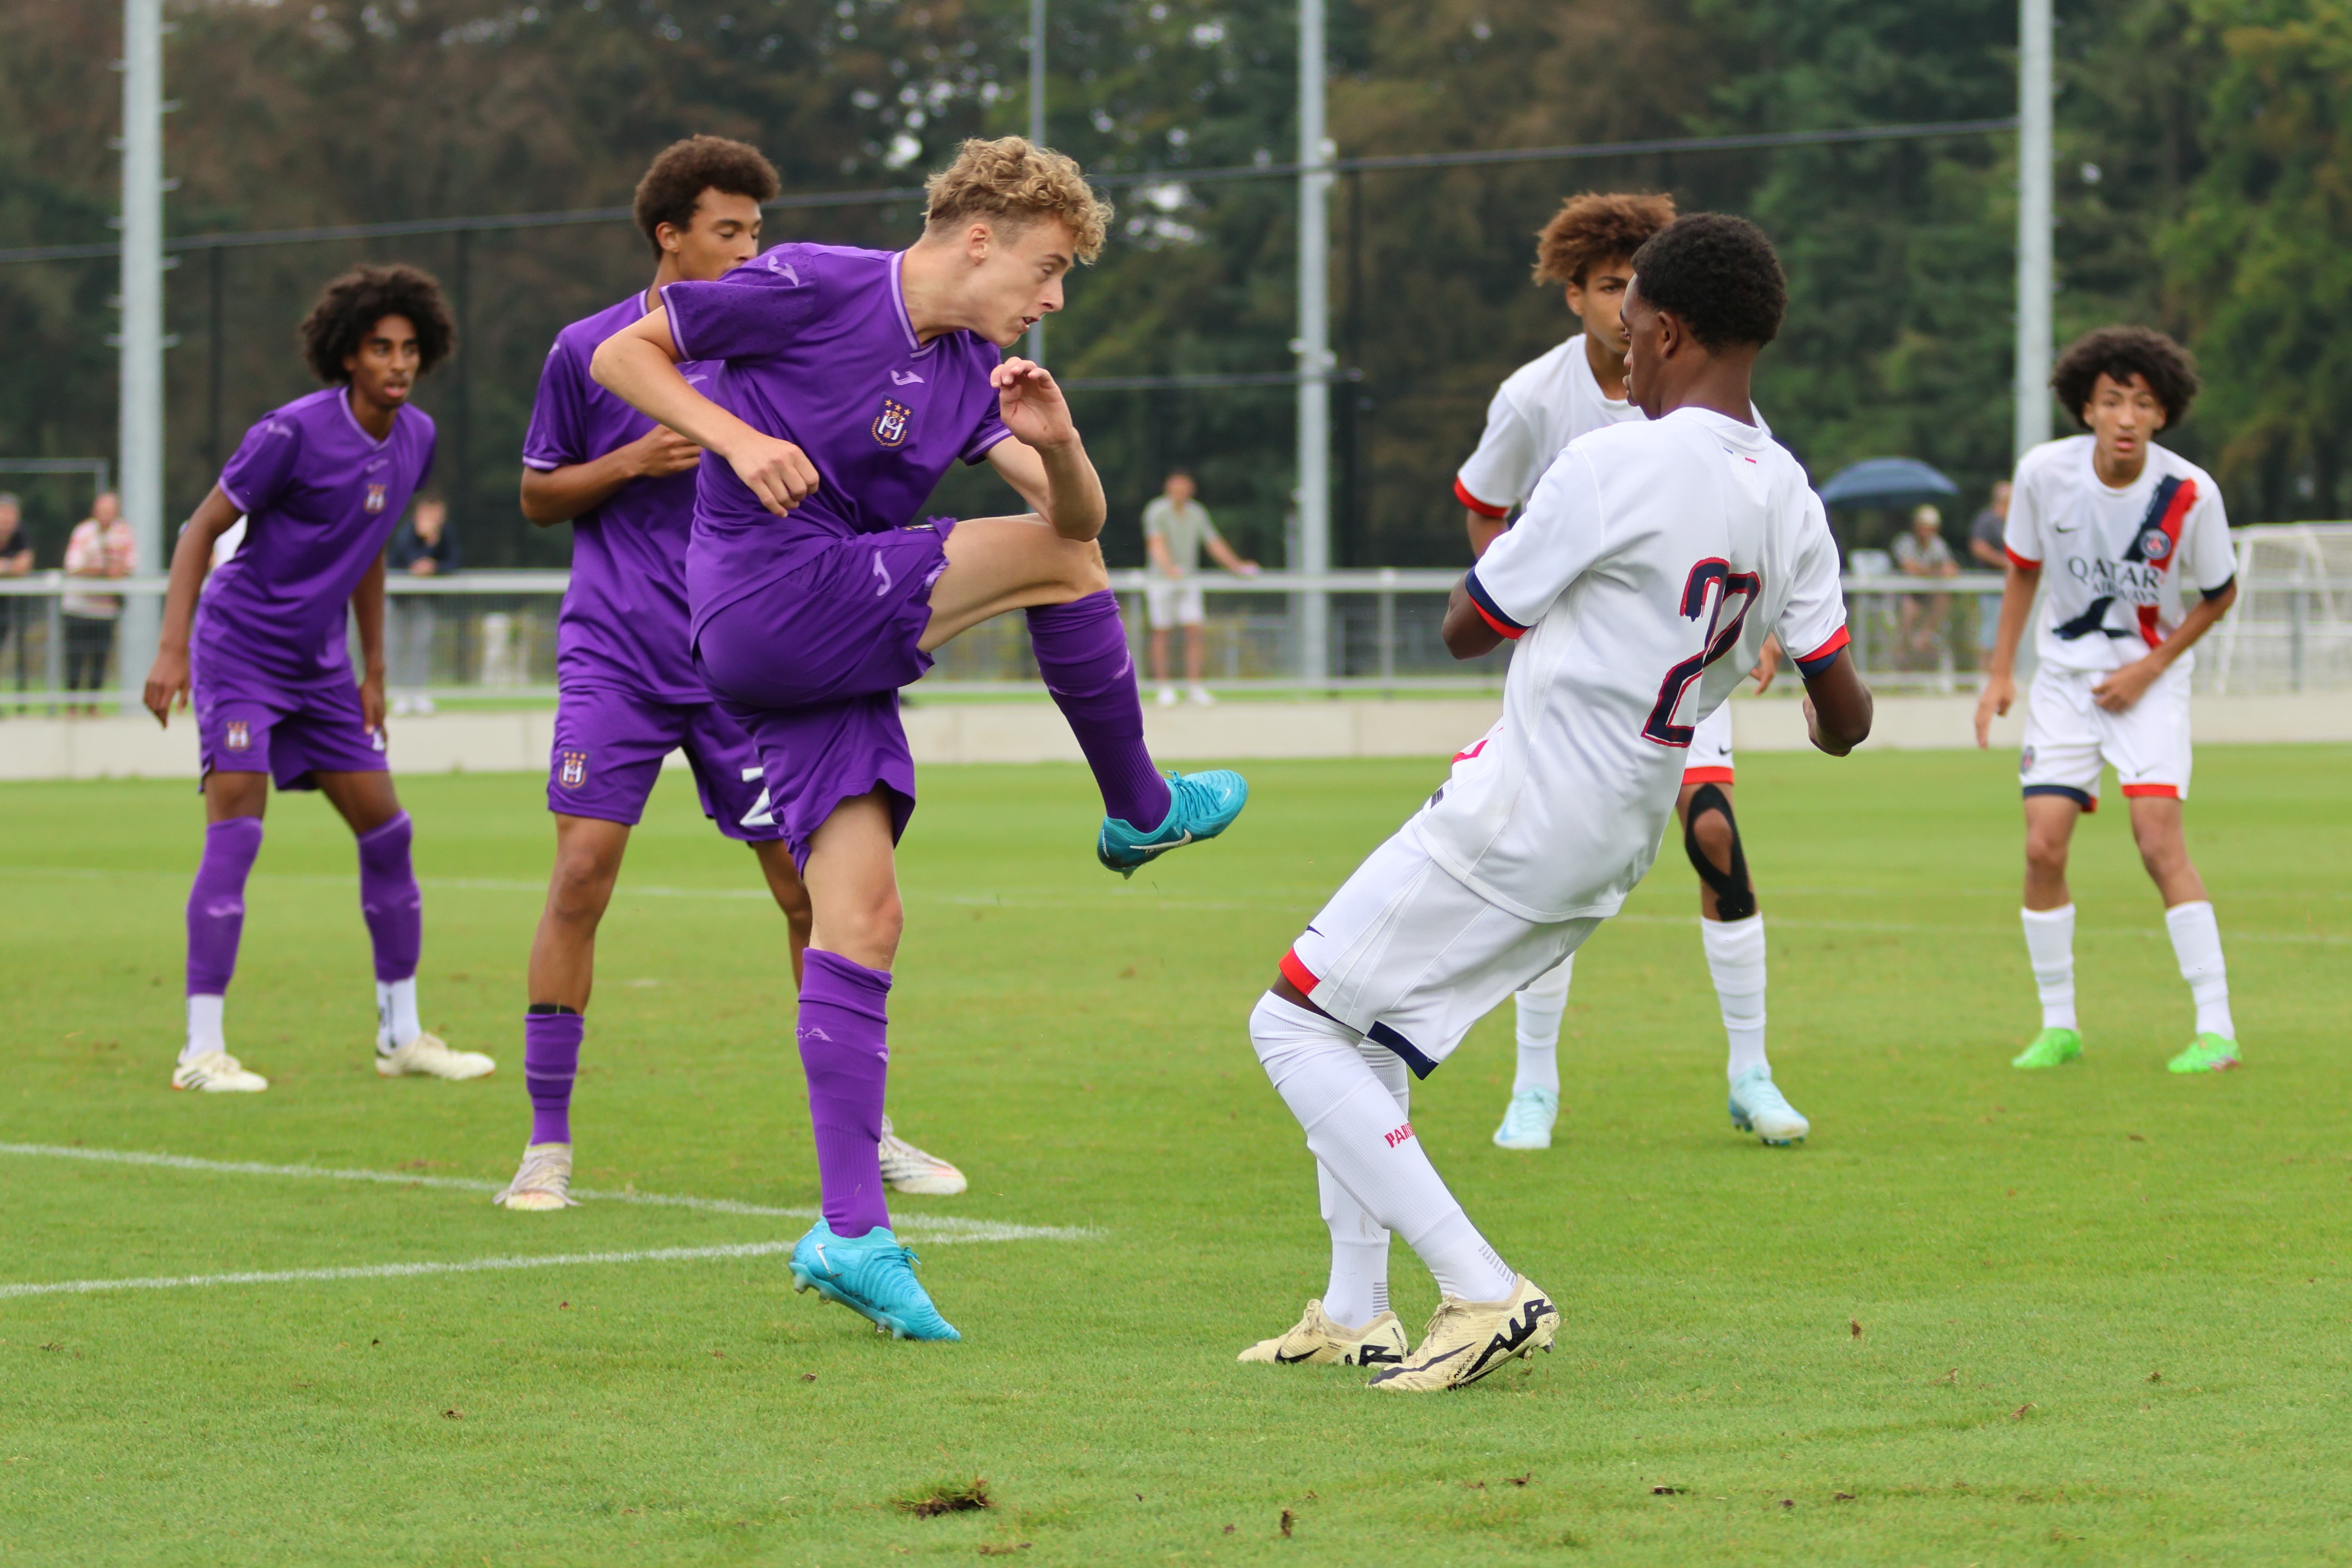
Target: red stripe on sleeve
pixel 1461 493
pixel 2020 562
pixel 1508 632
pixel 1838 639
pixel 1297 974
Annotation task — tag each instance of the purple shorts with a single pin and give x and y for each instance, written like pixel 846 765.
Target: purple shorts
pixel 609 747
pixel 811 668
pixel 247 725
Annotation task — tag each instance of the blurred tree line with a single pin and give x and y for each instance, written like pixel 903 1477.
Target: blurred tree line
pixel 2204 187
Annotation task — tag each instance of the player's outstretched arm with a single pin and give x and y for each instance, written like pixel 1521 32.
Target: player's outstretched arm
pixel 167 678
pixel 1837 706
pixel 638 365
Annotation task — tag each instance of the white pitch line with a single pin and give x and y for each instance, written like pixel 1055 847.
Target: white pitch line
pixel 942 1229
pixel 398 1270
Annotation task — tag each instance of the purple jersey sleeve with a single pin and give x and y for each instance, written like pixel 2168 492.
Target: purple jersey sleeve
pixel 557 436
pixel 991 431
pixel 749 314
pixel 264 458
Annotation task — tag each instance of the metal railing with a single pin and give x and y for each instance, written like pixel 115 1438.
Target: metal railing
pixel 487 638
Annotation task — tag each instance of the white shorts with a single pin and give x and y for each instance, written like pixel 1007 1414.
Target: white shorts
pixel 1172 602
pixel 1411 958
pixel 2068 735
pixel 1709 760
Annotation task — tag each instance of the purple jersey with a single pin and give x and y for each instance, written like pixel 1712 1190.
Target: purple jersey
pixel 624 624
pixel 321 498
pixel 812 343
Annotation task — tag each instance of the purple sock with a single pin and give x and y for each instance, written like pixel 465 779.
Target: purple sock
pixel 844 1052
pixel 393 909
pixel 1081 649
pixel 550 1059
pixel 217 903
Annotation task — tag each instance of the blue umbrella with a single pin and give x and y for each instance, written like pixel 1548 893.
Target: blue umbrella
pixel 1887 482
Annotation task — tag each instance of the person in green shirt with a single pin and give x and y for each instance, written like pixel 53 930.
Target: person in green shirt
pixel 1176 528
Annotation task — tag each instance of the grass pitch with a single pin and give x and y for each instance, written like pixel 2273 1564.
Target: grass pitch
pixel 2090 1316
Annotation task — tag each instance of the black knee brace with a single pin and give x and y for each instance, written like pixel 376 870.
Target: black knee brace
pixel 1734 896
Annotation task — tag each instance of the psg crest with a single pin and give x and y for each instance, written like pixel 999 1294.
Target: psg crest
pixel 890 424
pixel 239 737
pixel 2155 544
pixel 374 502
pixel 574 771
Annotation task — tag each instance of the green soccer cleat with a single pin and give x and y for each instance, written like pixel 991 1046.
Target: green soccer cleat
pixel 2207 1053
pixel 2051 1049
pixel 1200 805
pixel 872 1276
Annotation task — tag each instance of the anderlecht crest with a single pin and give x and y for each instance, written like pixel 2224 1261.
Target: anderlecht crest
pixel 374 502
pixel 239 737
pixel 890 424
pixel 574 771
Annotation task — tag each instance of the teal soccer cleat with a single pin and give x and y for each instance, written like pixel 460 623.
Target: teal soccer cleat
pixel 872 1276
pixel 1200 805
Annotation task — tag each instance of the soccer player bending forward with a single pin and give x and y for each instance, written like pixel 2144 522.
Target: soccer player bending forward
pixel 1651 563
pixel 840 385
pixel 320 483
pixel 2135 533
pixel 628 691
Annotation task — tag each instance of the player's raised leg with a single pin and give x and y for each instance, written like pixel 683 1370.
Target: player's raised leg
pixel 1732 931
pixel 234 803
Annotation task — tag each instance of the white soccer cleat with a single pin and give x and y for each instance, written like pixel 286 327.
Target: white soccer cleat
pixel 1467 1340
pixel 1167 697
pixel 1757 1106
pixel 429 1056
pixel 543 1182
pixel 217 1072
pixel 1529 1120
pixel 1318 1341
pixel 1200 697
pixel 906 1169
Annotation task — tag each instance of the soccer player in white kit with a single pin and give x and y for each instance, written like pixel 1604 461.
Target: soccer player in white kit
pixel 1652 562
pixel 2135 548
pixel 1577 388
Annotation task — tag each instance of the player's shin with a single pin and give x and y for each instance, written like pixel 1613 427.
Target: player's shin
pixel 1735 959
pixel 1540 1005
pixel 2197 944
pixel 845 1051
pixel 1359 1288
pixel 1081 649
pixel 2050 947
pixel 1354 1130
pixel 550 1060
pixel 215 925
pixel 395 912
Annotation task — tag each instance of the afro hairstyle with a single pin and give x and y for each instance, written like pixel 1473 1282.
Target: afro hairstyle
pixel 2120 353
pixel 674 183
pixel 1719 273
pixel 352 304
pixel 1593 226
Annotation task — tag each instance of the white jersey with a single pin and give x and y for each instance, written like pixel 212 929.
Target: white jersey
pixel 1654 559
pixel 2118 564
pixel 1540 408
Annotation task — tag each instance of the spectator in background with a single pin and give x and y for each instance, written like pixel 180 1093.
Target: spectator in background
pixel 422 548
pixel 1175 528
pixel 16 561
pixel 101 546
pixel 1984 533
pixel 1922 553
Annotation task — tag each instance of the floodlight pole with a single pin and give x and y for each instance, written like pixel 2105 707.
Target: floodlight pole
pixel 1313 348
pixel 1036 346
pixel 2036 277
pixel 139 420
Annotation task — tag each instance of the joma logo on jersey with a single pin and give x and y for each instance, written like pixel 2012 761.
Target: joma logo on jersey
pixel 240 736
pixel 1401 1135
pixel 574 771
pixel 890 424
pixel 375 498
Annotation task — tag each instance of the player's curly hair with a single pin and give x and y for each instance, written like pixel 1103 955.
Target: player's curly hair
pixel 1012 180
pixel 2122 353
pixel 681 171
pixel 1719 274
pixel 1593 227
pixel 360 297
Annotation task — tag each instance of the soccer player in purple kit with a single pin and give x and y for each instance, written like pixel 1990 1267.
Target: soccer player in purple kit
pixel 320 483
pixel 629 692
pixel 843 384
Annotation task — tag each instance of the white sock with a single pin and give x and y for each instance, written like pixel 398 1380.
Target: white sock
pixel 395 1014
pixel 1359 1288
pixel 2197 943
pixel 204 1027
pixel 1541 1003
pixel 1353 1128
pixel 2049 948
pixel 1735 957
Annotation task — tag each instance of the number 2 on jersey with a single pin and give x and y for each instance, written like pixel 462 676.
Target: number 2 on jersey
pixel 1709 591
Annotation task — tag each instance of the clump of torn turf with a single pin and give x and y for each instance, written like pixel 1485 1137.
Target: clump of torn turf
pixel 947 1497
